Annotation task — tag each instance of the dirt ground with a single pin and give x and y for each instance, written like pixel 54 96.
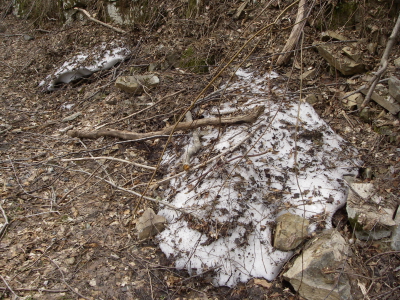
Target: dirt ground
pixel 70 235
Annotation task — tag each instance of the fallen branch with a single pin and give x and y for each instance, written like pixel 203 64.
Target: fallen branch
pixel 193 149
pixel 383 65
pixel 140 111
pixel 301 17
pixel 129 135
pixel 110 158
pixel 99 22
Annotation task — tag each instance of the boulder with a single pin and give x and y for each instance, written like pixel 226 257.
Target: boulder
pixel 342 63
pixel 136 84
pixel 149 224
pixel 291 231
pixel 308 74
pixel 320 272
pixel 393 108
pixel 394 88
pixel 370 214
pixel 352 101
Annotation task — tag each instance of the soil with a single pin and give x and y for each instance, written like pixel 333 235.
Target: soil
pixel 70 235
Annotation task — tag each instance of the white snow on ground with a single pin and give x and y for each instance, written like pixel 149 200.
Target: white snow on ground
pixel 239 196
pixel 84 65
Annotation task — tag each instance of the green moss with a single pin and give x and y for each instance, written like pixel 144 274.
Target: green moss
pixel 194 62
pixel 343 14
pixel 193 9
pixel 40 11
pixel 354 224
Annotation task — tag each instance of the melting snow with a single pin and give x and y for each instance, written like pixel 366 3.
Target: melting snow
pixel 239 195
pixel 83 65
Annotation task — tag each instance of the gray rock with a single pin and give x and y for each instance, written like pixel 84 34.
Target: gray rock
pixel 394 88
pixel 71 117
pixel 332 35
pixel 371 47
pixel 317 273
pixel 352 101
pixel 311 98
pixel 369 213
pixel 365 115
pixel 393 108
pixel 136 84
pixel 149 224
pixel 291 231
pixel 397 62
pixel 395 244
pixel 28 37
pixel 308 75
pixel 352 53
pixel 342 63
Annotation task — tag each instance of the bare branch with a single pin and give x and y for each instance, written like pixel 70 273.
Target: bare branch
pixel 383 65
pixel 129 135
pixel 99 22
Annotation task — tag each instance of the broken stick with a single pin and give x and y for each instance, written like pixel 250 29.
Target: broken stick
pixel 86 13
pixel 129 135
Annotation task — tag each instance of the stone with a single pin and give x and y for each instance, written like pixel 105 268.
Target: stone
pixel 352 53
pixel 28 37
pixel 342 63
pixel 149 224
pixel 369 213
pixel 393 108
pixel 352 101
pixel 318 273
pixel 291 231
pixel 311 98
pixel 308 75
pixel 394 88
pixel 332 35
pixel 397 62
pixel 371 47
pixel 395 243
pixel 136 84
pixel 365 115
pixel 72 117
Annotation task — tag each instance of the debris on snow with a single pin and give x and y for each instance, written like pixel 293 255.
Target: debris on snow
pixel 84 65
pixel 257 176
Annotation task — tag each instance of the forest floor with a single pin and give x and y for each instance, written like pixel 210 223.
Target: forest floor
pixel 71 235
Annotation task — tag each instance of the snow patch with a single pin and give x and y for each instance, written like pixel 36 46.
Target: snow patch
pixel 239 195
pixel 84 65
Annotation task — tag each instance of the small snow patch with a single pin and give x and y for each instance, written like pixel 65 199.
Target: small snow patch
pixel 84 65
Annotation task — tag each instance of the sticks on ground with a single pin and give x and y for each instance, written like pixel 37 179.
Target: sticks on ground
pixel 128 135
pixel 302 14
pixel 383 65
pixel 99 22
pixel 6 223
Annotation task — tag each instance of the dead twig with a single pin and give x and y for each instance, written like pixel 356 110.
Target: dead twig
pixel 383 65
pixel 99 22
pixel 193 149
pixel 65 282
pixel 35 290
pixel 110 158
pixel 301 17
pixel 9 288
pixel 129 135
pixel 140 111
pixel 6 223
